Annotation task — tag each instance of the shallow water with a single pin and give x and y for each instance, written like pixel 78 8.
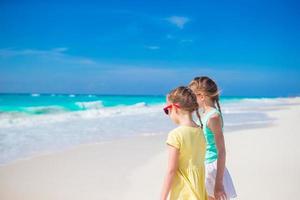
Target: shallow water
pixel 32 124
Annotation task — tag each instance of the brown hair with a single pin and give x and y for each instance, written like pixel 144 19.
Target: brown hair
pixel 186 99
pixel 208 87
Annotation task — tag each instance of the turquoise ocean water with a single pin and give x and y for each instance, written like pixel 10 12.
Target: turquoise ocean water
pixel 31 124
pixel 52 103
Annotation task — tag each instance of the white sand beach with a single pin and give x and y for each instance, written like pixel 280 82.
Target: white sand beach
pixel 264 163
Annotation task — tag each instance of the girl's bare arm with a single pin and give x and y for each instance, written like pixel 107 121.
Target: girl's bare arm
pixel 215 124
pixel 171 170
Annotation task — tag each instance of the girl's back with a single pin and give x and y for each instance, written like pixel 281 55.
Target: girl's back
pixel 188 181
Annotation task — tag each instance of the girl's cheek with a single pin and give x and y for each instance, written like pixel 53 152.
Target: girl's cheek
pixel 174 120
pixel 172 115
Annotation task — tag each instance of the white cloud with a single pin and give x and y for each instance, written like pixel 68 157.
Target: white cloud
pixel 58 54
pixel 153 47
pixel 178 21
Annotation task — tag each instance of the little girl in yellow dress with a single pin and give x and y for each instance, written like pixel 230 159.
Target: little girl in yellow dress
pixel 185 177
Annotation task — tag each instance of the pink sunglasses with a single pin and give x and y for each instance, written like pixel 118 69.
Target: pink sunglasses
pixel 166 109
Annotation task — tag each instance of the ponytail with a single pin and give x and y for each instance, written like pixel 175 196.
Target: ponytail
pixel 218 105
pixel 199 117
pixel 219 108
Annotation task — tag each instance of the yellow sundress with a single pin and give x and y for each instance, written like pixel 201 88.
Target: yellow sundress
pixel 189 181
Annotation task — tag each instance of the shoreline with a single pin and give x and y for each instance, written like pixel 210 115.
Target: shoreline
pixel 106 142
pixel 37 155
pixel 228 130
pixel 31 137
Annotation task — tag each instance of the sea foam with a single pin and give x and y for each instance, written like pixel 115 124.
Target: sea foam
pixel 53 127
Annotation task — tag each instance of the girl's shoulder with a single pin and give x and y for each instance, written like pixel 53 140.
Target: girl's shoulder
pixel 213 117
pixel 177 131
pixel 181 130
pixel 174 138
pixel 215 120
pixel 210 113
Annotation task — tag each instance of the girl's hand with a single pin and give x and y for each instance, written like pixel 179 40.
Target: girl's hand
pixel 220 192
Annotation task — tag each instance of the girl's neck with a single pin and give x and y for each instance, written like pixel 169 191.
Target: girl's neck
pixel 186 120
pixel 208 105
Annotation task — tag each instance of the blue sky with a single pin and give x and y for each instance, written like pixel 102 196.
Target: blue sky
pixel 251 48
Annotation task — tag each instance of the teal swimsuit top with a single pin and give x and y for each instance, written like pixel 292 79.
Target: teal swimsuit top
pixel 211 148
